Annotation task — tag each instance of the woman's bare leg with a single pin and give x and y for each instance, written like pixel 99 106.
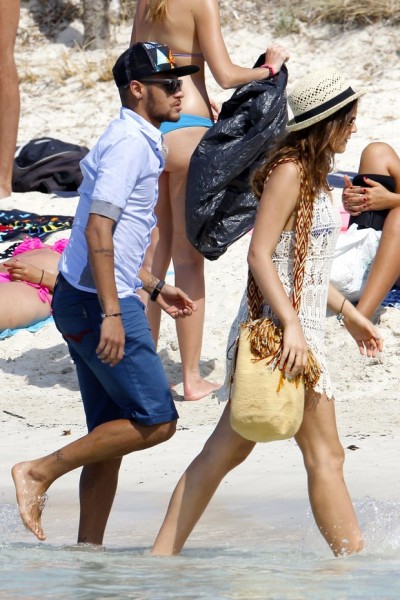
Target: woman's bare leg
pixel 9 92
pixel 223 451
pixel 20 306
pixel 385 269
pixel 158 255
pixel 324 458
pixel 380 158
pixel 188 264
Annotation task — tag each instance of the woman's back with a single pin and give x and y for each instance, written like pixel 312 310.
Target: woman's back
pixel 178 31
pixel 192 30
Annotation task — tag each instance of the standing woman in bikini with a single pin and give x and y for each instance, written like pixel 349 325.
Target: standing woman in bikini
pixel 191 28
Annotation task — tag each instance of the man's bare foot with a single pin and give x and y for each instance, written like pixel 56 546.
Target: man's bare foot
pixel 200 390
pixel 31 498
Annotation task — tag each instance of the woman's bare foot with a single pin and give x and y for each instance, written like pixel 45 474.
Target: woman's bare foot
pixel 31 498
pixel 199 389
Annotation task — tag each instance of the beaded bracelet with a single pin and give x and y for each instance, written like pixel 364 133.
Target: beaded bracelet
pixel 105 315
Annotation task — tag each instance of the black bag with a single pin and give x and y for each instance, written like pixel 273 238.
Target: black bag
pixel 220 206
pixel 48 165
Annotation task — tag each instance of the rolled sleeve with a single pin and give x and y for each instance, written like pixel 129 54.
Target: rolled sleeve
pixel 105 209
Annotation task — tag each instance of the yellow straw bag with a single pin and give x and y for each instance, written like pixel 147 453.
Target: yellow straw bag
pixel 265 405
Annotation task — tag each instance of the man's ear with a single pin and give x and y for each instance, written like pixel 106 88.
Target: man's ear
pixel 136 89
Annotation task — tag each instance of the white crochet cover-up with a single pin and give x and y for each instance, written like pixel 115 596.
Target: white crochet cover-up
pixel 322 241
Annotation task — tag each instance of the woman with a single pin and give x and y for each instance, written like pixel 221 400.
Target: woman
pixel 373 200
pixel 324 107
pixel 191 28
pixel 27 281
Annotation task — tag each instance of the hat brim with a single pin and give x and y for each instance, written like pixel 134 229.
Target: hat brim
pixel 292 125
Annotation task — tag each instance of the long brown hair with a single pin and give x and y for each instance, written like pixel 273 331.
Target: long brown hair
pixel 312 148
pixel 156 10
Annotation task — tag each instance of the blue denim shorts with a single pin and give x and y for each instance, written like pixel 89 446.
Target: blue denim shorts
pixel 136 388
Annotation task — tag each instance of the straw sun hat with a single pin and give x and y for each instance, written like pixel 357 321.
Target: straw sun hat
pixel 318 96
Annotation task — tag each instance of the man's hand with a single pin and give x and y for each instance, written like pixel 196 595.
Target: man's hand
pixel 112 341
pixel 175 302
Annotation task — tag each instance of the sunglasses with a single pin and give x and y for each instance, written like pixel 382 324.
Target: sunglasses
pixel 172 86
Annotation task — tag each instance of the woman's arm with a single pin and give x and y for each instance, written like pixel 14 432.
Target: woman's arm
pixel 227 74
pixel 275 214
pixel 360 328
pixel 21 271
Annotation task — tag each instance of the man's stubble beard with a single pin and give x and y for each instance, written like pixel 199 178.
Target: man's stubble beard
pixel 154 112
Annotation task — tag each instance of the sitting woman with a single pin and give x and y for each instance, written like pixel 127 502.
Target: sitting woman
pixel 27 281
pixel 373 200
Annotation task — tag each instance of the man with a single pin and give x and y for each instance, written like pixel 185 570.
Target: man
pixel 127 400
pixel 9 92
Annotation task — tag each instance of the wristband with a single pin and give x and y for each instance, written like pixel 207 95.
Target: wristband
pixel 271 69
pixel 157 290
pixel 105 315
pixel 41 279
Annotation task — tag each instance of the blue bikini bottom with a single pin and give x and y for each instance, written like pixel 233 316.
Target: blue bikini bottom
pixel 185 121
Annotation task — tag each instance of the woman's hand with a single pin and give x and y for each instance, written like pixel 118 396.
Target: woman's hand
pixel 295 350
pixel 215 108
pixel 357 199
pixel 21 271
pixel 275 56
pixel 365 334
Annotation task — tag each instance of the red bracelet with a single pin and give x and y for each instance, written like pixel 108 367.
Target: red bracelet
pixel 271 69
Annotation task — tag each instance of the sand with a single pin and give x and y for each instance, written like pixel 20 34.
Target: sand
pixel 40 407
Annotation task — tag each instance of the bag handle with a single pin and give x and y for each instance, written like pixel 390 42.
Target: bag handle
pixel 304 217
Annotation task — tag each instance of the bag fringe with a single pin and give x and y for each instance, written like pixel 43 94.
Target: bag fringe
pixel 266 343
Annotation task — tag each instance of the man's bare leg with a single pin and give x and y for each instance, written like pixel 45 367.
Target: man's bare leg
pixel 9 92
pixel 97 488
pixel 106 442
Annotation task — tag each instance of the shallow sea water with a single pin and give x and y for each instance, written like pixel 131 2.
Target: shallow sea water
pixel 285 562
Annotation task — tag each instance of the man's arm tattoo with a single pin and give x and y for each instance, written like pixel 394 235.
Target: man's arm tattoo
pixel 105 251
pixel 150 283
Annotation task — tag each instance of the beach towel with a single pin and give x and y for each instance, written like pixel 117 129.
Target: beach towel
pixel 16 224
pixel 393 298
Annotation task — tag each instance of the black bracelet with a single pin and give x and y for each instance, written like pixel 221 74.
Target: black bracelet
pixel 105 315
pixel 41 279
pixel 157 290
pixel 340 315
